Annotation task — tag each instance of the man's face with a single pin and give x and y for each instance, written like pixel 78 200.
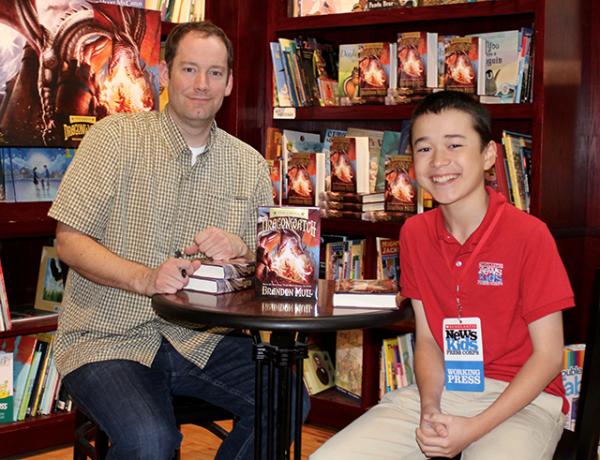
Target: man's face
pixel 198 80
pixel 448 159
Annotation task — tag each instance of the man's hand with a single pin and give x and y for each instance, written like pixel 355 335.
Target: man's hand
pixel 441 435
pixel 169 277
pixel 218 244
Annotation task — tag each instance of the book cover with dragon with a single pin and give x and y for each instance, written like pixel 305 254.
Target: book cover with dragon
pixel 287 252
pixel 65 67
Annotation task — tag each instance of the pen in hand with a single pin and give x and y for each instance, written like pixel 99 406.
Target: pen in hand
pixel 179 255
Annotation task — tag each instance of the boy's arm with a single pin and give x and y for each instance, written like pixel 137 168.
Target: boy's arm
pixel 95 262
pixel 429 363
pixel 538 371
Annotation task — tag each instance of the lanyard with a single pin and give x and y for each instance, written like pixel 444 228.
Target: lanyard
pixel 472 257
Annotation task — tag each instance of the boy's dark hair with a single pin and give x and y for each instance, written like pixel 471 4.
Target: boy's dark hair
pixel 448 100
pixel 206 28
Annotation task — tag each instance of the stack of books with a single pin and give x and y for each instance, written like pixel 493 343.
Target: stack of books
pixel 350 205
pixel 218 277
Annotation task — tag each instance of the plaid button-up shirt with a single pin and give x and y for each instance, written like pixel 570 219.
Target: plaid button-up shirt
pixel 133 188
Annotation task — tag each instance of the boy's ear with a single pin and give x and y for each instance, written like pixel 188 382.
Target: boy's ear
pixel 489 155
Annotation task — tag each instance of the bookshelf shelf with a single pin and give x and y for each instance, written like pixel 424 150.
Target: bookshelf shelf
pixel 551 118
pixel 40 432
pixel 400 112
pixel 490 9
pixel 21 220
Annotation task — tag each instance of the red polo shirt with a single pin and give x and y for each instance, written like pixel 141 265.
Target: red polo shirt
pixel 515 278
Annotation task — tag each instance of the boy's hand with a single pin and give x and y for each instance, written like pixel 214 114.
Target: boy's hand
pixel 218 244
pixel 442 435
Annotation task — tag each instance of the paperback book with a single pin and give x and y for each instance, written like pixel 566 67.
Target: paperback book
pixel 6 387
pixel 400 187
pixel 365 293
pixel 349 362
pixel 287 252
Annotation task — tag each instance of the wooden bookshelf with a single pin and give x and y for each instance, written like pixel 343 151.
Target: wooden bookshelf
pixel 550 118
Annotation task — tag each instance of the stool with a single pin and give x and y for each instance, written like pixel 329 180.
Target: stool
pixel 188 410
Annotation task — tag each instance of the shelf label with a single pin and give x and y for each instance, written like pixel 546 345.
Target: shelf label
pixel 285 113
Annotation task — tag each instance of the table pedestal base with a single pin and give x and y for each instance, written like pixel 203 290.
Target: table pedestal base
pixel 284 350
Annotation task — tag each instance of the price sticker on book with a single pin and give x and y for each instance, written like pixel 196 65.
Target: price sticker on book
pixel 463 354
pixel 284 113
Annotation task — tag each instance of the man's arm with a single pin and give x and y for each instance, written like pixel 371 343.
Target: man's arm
pixel 95 262
pixel 537 372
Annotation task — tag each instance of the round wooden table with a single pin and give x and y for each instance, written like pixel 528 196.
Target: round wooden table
pixel 290 321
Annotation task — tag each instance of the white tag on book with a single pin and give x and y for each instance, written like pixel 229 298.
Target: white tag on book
pixel 284 113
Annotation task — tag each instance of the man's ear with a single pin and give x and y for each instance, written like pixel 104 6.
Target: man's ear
pixel 163 74
pixel 489 155
pixel 229 86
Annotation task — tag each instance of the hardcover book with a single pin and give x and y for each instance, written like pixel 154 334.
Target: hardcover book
pixel 281 82
pixel 375 139
pixel 501 66
pixel 350 164
pixel 319 374
pixel 91 60
pixel 348 73
pixel 390 145
pixel 349 362
pixel 225 269
pixel 218 286
pixel 374 70
pixel 400 187
pixel 388 259
pixel 287 252
pixel 6 387
pixel 22 348
pixel 276 179
pixel 463 56
pixel 365 293
pixel 305 178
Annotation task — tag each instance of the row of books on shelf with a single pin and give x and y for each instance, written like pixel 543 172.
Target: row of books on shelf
pixel 345 374
pixel 170 10
pixel 511 174
pixel 29 382
pixel 299 8
pixel 353 173
pixel 496 66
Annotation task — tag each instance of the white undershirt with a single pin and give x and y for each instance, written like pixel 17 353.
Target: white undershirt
pixel 196 151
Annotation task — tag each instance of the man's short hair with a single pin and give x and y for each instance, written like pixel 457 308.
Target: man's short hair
pixel 454 100
pixel 205 28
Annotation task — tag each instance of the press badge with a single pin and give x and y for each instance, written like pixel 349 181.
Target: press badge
pixel 463 354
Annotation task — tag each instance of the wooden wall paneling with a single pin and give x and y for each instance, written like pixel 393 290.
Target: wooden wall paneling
pixel 242 114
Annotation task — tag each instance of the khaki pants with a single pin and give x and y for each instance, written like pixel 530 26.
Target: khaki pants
pixel 387 431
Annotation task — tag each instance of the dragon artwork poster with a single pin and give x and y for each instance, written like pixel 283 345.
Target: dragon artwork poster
pixel 64 64
pixel 287 252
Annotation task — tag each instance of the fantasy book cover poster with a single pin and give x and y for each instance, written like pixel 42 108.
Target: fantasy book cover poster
pixel 35 173
pixel 287 252
pixel 65 64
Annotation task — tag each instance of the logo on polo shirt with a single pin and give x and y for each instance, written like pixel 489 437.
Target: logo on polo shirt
pixel 490 274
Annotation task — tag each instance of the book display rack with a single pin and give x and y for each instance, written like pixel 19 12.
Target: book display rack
pixel 553 93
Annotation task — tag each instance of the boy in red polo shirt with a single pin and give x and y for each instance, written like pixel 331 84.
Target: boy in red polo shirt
pixel 488 287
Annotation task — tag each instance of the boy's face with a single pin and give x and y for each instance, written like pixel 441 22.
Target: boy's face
pixel 448 160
